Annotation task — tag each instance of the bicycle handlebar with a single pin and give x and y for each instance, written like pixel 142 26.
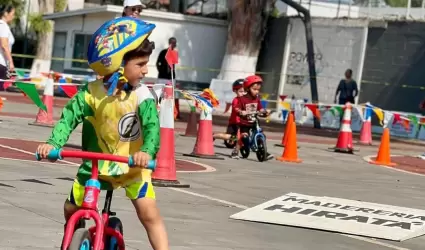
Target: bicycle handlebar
pixel 59 154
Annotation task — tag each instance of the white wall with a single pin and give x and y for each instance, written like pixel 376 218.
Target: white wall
pixel 331 10
pixel 338 45
pixel 201 41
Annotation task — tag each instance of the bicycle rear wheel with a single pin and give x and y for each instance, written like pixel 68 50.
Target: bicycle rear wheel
pixel 229 143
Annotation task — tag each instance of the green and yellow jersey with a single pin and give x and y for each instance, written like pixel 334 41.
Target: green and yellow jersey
pixel 122 124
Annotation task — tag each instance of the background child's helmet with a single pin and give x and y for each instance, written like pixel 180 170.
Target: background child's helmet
pixel 251 80
pixel 237 84
pixel 111 42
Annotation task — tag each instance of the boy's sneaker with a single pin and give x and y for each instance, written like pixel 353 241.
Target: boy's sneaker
pixel 422 156
pixel 234 154
pixel 269 156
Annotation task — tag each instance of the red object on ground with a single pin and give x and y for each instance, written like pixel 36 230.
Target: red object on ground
pixel 204 146
pixel 345 137
pixel 165 174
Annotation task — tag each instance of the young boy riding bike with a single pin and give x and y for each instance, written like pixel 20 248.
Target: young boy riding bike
pixel 119 117
pixel 249 105
pixel 233 126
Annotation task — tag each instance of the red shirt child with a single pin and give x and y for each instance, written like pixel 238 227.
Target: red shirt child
pixel 234 118
pixel 250 103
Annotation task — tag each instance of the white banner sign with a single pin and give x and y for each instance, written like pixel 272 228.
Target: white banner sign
pixel 223 90
pixel 339 215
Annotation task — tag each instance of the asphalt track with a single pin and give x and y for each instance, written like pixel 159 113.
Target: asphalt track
pixel 32 194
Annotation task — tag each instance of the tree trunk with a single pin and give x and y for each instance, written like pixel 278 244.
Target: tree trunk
pixel 248 22
pixel 43 56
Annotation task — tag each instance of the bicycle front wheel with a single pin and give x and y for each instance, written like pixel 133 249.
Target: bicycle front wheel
pixel 81 240
pixel 261 149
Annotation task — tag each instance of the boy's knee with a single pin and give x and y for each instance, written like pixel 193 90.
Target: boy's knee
pixel 151 217
pixel 69 209
pixel 149 214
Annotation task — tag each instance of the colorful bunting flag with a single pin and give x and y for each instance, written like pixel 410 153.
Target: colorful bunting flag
pixel 337 110
pixel 314 109
pixel 397 118
pixel 360 111
pixel 413 119
pixel 264 96
pixel 30 90
pixel 406 124
pixel 69 90
pixel 264 103
pixel 285 105
pixel 19 73
pixel 282 97
pixel 387 118
pixel 380 114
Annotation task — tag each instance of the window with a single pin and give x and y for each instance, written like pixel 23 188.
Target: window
pixel 59 47
pixel 206 8
pixel 81 43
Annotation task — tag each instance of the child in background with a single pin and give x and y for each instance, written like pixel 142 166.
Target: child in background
pixel 119 117
pixel 233 126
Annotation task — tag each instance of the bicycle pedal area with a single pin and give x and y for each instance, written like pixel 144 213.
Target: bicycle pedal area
pixel 328 201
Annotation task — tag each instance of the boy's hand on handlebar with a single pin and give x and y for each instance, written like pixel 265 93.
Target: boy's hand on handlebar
pixel 141 159
pixel 264 112
pixel 44 149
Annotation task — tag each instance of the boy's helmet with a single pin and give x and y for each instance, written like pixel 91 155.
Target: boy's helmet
pixel 237 84
pixel 111 42
pixel 251 80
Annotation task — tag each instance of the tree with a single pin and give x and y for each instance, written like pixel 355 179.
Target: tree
pixel 248 22
pixel 44 30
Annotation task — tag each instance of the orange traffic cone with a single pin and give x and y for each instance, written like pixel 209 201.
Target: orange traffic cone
pixel 204 146
pixel 45 119
pixel 287 127
pixel 165 173
pixel 290 153
pixel 192 123
pixel 384 157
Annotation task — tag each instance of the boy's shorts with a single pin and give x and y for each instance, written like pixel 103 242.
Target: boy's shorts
pixel 232 129
pixel 134 191
pixel 245 128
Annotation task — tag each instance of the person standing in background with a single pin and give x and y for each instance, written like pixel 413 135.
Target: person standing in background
pixel 133 8
pixel 164 70
pixel 7 14
pixel 347 89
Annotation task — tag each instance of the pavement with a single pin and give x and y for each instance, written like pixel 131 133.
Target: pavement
pixel 32 193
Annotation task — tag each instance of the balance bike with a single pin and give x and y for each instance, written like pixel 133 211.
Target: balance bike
pixel 255 141
pixel 108 230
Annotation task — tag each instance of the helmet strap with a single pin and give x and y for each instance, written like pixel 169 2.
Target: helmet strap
pixel 115 78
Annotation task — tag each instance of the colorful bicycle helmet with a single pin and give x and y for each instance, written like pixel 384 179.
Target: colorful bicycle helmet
pixel 237 84
pixel 251 80
pixel 111 42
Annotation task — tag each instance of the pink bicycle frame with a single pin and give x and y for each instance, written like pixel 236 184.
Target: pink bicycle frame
pixel 88 209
